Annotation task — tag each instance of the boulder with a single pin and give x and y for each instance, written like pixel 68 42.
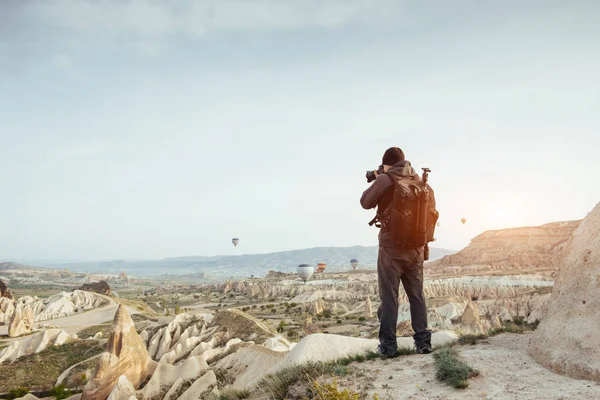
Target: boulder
pixel 97 287
pixel 5 291
pixel 567 339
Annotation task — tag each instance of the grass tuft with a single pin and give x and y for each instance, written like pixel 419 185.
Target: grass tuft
pixel 471 339
pixel 234 394
pixel 450 369
pixel 278 384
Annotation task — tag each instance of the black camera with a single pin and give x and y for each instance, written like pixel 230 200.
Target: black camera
pixel 371 174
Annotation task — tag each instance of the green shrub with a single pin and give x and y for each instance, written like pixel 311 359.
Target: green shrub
pixel 339 321
pixel 60 392
pixel 450 369
pixel 16 393
pixel 362 319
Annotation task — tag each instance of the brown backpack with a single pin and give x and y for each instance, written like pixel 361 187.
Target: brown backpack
pixel 413 214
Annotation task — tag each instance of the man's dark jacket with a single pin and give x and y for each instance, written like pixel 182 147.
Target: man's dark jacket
pixel 380 195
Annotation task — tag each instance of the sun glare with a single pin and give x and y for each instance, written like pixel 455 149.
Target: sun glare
pixel 502 215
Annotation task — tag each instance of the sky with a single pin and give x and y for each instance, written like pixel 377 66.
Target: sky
pixel 150 129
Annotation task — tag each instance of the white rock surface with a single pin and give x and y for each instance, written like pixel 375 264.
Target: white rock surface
pixel 200 386
pixel 57 306
pixel 123 390
pixel 33 344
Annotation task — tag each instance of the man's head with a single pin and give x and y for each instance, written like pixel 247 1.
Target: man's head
pixel 392 156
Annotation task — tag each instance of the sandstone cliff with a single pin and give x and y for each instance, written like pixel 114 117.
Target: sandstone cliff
pixel 518 248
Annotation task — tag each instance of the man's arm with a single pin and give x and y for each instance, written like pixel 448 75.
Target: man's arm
pixel 370 197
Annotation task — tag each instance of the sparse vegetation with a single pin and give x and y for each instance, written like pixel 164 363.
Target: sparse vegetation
pixel 93 330
pixel 40 371
pixel 234 394
pixel 330 391
pixel 471 338
pixel 278 384
pixel 60 392
pixel 450 369
pixel 16 393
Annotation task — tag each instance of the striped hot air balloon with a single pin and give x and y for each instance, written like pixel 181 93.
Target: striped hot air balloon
pixel 321 267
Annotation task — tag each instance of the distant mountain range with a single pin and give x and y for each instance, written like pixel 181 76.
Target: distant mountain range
pixel 337 259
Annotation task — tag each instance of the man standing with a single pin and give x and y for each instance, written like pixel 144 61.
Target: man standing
pixel 396 263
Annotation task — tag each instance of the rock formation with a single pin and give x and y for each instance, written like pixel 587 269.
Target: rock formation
pixel 5 291
pixel 97 287
pixel 34 344
pixel 21 322
pixel 568 340
pixel 368 308
pixel 56 306
pixel 506 249
pixel 126 356
pixel 123 277
pixel 471 317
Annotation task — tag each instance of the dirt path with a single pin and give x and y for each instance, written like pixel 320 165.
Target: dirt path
pixel 77 322
pixel 506 373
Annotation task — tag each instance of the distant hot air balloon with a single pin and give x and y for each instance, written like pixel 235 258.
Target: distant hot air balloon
pixel 354 263
pixel 235 241
pixel 463 220
pixel 321 267
pixel 438 224
pixel 305 271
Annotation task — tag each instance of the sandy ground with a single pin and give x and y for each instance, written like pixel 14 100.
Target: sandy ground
pixel 506 372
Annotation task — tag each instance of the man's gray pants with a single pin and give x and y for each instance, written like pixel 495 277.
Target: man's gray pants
pixel 393 266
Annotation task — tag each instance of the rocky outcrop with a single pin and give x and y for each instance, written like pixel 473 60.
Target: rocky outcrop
pixel 247 366
pixel 568 340
pixel 57 306
pixel 508 249
pixel 126 356
pixel 21 322
pixel 5 291
pixel 123 277
pixel 368 308
pixel 97 287
pixel 34 344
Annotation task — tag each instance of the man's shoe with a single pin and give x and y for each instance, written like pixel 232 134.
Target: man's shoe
pixel 384 356
pixel 424 349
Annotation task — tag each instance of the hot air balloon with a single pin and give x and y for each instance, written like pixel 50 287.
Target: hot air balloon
pixel 235 241
pixel 463 220
pixel 354 263
pixel 305 271
pixel 438 224
pixel 321 267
